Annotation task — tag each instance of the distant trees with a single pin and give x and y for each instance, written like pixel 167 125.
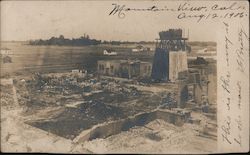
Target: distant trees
pixel 202 43
pixel 82 41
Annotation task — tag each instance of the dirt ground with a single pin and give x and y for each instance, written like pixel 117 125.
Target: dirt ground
pixel 54 102
pixel 65 104
pixel 157 136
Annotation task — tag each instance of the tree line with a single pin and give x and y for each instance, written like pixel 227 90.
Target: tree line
pixel 82 41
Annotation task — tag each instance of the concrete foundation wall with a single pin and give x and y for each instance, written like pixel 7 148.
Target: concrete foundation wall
pixel 115 127
pixel 145 69
pixel 177 64
pixel 124 68
pixel 108 68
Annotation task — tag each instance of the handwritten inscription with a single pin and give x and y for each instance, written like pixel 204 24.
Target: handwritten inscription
pixel 187 11
pixel 226 130
pixel 226 82
pixel 241 56
pixel 228 42
pixel 228 103
pixel 204 16
pixel 238 138
pixel 235 57
pixel 239 94
pixel 241 50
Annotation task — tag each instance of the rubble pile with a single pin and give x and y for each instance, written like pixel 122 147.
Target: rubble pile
pixel 85 102
pixel 82 103
pixel 52 90
pixel 48 83
pixel 6 97
pixel 99 110
pixel 49 90
pixel 155 137
pixel 114 86
pixel 89 89
pixel 71 121
pixel 169 101
pixel 149 101
pixel 112 92
pixel 23 95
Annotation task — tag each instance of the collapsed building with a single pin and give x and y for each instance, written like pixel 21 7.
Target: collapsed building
pixel 124 68
pixel 170 62
pixel 90 107
pixel 170 59
pixel 201 82
pixel 170 65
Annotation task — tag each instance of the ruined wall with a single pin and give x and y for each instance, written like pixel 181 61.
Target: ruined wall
pixel 160 70
pixel 198 91
pixel 115 127
pixel 124 68
pixel 177 64
pixel 145 69
pixel 108 67
pixel 212 94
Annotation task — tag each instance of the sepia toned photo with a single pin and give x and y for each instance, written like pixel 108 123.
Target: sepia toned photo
pixel 124 76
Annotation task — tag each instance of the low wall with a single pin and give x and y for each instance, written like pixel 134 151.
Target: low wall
pixel 115 127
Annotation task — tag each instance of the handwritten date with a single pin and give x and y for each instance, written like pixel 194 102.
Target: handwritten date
pixel 187 11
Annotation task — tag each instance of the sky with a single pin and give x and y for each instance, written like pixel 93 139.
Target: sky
pixel 25 20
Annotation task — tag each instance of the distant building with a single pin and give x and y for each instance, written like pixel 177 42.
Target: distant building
pixel 80 72
pixel 124 68
pixel 5 51
pixel 202 50
pixel 141 48
pixel 138 48
pixel 5 55
pixel 109 52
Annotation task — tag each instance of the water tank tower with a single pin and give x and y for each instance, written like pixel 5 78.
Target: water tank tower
pixel 170 58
